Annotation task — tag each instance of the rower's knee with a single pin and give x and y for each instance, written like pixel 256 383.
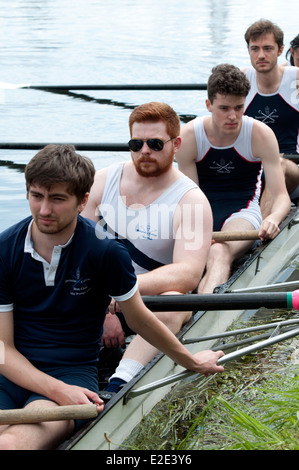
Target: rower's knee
pixel 174 320
pixel 219 252
pixel 8 442
pixel 291 173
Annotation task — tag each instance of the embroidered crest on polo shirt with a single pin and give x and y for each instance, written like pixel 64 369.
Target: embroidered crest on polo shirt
pixel 80 283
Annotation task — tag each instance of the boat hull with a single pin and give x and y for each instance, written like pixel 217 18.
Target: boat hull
pixel 267 265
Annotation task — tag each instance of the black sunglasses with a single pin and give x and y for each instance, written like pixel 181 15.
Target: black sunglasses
pixel 154 144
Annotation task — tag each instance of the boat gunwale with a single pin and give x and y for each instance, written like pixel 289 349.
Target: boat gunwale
pixel 252 256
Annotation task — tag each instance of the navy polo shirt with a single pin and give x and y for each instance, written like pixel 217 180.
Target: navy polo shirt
pixel 59 308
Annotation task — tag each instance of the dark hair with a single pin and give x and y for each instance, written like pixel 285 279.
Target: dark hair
pixel 227 79
pixel 156 111
pixel 294 44
pixel 264 27
pixel 56 164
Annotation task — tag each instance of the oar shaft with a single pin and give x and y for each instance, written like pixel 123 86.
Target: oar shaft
pixel 101 147
pixel 144 86
pixel 257 346
pixel 279 285
pixel 224 359
pixel 38 415
pixel 240 331
pixel 117 147
pixel 237 235
pixel 222 301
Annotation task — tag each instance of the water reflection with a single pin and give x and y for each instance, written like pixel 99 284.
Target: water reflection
pixel 98 42
pixel 219 29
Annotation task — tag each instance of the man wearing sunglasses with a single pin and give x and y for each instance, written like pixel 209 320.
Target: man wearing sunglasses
pixel 224 153
pixel 161 215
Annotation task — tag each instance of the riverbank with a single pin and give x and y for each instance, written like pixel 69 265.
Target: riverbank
pixel 253 405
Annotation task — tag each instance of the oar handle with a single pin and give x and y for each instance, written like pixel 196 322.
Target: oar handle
pixel 293 299
pixel 237 235
pixel 56 413
pixel 225 301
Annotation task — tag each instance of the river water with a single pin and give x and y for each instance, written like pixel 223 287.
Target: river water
pixel 80 42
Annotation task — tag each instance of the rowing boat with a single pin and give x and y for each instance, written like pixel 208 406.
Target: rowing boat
pixel 267 264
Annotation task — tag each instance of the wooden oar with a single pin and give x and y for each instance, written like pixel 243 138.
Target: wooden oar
pixel 57 413
pixel 237 235
pixel 286 300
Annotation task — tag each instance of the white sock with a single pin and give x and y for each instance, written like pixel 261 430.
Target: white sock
pixel 127 369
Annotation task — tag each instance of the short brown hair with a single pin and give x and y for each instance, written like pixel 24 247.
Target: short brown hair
pixel 56 164
pixel 227 79
pixel 294 44
pixel 156 111
pixel 262 27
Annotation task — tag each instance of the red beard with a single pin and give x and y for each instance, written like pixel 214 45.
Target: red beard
pixel 153 168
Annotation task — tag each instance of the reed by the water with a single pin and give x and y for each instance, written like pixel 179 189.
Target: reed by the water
pixel 254 404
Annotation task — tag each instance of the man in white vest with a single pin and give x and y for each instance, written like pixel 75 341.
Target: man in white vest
pixel 273 97
pixel 164 219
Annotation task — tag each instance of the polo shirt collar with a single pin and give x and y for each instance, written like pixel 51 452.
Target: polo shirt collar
pixel 49 268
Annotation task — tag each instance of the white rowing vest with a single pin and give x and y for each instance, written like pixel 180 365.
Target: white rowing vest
pixel 279 110
pixel 147 231
pixel 229 176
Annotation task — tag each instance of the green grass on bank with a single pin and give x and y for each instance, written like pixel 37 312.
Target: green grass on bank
pixel 253 405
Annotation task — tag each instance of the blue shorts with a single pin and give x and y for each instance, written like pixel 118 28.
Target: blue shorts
pixel 12 396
